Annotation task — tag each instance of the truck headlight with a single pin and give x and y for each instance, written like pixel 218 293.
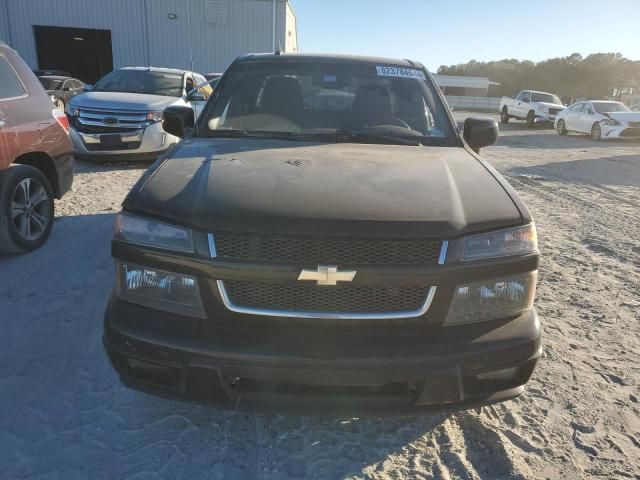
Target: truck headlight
pixel 154 116
pixel 141 231
pixel 502 243
pixel 492 299
pixel 158 289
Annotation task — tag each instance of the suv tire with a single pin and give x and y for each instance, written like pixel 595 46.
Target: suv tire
pixel 26 209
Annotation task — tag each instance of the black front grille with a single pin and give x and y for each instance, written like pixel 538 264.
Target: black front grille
pixel 342 298
pixel 315 251
pixel 554 111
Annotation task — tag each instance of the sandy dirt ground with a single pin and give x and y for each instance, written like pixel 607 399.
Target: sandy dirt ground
pixel 64 415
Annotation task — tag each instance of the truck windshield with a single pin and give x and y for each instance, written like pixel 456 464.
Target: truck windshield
pixel 141 81
pixel 330 101
pixel 546 98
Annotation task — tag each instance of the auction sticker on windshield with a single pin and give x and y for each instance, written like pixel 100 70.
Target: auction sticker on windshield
pixel 400 72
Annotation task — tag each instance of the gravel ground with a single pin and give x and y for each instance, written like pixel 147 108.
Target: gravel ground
pixel 64 415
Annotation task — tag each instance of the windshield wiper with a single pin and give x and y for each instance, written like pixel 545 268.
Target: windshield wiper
pixel 337 136
pixel 228 132
pixel 349 136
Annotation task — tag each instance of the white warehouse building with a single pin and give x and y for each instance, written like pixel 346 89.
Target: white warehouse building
pixel 89 38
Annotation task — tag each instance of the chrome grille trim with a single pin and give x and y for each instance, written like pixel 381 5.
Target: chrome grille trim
pixel 443 252
pixel 328 315
pixel 125 119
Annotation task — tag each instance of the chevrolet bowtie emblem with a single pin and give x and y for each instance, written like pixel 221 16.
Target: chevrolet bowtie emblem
pixel 327 275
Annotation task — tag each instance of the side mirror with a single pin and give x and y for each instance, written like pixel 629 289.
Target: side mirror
pixel 176 120
pixel 87 88
pixel 480 132
pixel 196 96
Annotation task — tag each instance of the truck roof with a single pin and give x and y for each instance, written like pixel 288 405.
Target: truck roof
pixel 282 57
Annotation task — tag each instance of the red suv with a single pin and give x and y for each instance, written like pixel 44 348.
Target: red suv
pixel 36 161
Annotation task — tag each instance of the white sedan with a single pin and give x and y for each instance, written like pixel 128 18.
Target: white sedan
pixel 601 119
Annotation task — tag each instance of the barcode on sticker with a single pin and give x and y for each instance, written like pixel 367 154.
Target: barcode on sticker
pixel 400 72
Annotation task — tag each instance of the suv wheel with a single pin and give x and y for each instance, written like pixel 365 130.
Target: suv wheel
pixel 60 104
pixel 26 209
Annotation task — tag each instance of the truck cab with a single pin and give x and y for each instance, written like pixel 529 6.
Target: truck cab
pixel 532 106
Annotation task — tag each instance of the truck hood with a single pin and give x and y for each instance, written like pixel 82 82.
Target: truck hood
pixel 274 186
pixel 123 101
pixel 624 116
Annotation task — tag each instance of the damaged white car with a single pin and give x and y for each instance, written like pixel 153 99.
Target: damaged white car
pixel 602 119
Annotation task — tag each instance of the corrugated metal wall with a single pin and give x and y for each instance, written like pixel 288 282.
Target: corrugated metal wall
pixel 220 29
pixel 4 25
pixel 122 17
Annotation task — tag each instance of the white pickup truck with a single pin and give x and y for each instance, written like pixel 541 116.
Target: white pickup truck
pixel 534 107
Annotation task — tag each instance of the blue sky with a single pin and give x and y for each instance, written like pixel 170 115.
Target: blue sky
pixel 437 32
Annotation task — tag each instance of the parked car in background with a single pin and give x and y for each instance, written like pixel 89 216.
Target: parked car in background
pixel 61 89
pixel 36 161
pixel 57 73
pixel 120 117
pixel 636 107
pixel 532 106
pixel 303 255
pixel 600 119
pixel 212 76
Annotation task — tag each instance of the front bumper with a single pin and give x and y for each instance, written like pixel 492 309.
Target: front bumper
pixel 143 144
pixel 622 131
pixel 548 118
pixel 295 368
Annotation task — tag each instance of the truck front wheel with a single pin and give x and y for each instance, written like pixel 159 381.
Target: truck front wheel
pixel 504 117
pixel 531 119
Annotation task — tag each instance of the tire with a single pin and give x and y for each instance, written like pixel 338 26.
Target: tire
pixel 60 104
pixel 26 209
pixel 596 132
pixel 560 128
pixel 504 116
pixel 531 119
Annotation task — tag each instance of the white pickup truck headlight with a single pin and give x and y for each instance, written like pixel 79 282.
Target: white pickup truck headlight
pixel 158 289
pixel 150 233
pixel 492 299
pixel 154 116
pixel 502 243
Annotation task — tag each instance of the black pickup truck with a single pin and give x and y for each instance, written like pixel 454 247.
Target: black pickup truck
pixel 325 240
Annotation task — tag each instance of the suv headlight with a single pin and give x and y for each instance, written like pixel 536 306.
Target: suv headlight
pixel 153 288
pixel 154 116
pixel 492 299
pixel 611 122
pixel 502 243
pixel 141 231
